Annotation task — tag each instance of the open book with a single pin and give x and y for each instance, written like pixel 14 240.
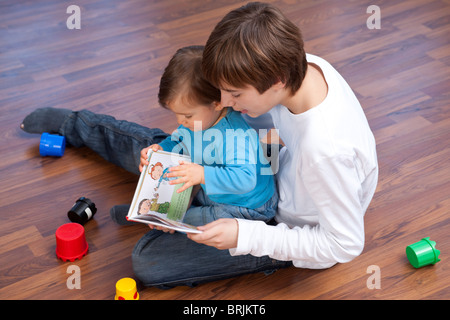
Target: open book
pixel 156 201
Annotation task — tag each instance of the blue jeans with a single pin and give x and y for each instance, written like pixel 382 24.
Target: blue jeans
pixel 166 260
pixel 159 259
pixel 117 141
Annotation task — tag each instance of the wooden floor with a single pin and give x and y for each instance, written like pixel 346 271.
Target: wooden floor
pixel 400 72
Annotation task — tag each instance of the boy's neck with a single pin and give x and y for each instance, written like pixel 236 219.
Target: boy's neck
pixel 222 114
pixel 312 92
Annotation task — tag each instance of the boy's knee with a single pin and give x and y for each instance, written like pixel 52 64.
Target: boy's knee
pixel 142 269
pixel 143 261
pixel 151 259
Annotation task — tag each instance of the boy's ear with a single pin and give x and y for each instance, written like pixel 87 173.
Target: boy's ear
pixel 279 85
pixel 217 106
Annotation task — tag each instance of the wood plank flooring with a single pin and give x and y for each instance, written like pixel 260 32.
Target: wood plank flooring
pixel 112 65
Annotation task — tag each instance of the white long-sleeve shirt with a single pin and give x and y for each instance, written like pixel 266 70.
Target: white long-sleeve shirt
pixel 327 176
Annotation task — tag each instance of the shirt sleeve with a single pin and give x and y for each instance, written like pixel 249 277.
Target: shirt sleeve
pixel 168 144
pixel 230 179
pixel 176 141
pixel 335 187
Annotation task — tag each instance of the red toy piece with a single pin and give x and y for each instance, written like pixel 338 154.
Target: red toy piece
pixel 71 242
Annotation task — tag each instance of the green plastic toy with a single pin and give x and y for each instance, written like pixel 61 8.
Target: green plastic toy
pixel 423 253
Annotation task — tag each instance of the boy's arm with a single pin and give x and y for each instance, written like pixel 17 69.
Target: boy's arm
pixel 167 144
pixel 231 179
pixel 217 180
pixel 175 142
pixel 233 169
pixel 337 237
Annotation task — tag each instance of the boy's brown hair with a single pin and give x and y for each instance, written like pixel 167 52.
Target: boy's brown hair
pixel 255 45
pixel 183 78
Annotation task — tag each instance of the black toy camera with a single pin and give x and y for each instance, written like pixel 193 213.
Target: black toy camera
pixel 82 211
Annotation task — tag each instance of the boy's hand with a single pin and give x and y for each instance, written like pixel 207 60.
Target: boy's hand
pixel 144 156
pixel 222 234
pixel 190 174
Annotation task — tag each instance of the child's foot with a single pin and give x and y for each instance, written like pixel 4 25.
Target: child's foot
pixel 119 214
pixel 44 120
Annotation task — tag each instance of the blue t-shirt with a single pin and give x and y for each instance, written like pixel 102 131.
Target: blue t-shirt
pixel 236 171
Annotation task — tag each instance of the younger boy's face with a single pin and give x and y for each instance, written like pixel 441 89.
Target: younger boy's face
pixel 195 117
pixel 249 101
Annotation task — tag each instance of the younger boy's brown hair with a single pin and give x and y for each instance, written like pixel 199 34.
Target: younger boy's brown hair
pixel 183 77
pixel 255 45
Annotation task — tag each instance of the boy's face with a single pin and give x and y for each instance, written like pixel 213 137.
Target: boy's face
pixel 199 114
pixel 249 101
